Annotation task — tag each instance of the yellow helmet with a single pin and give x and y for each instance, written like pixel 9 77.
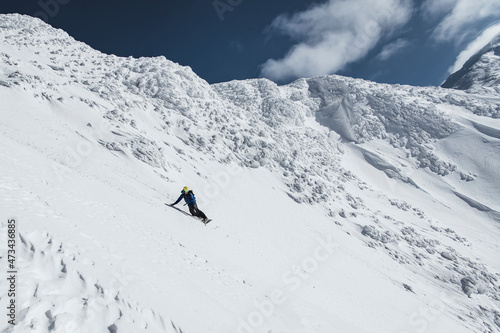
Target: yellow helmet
pixel 185 189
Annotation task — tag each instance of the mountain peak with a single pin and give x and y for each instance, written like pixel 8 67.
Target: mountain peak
pixel 481 73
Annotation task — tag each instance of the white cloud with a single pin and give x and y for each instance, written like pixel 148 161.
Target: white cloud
pixel 333 34
pixel 390 49
pixel 458 15
pixel 435 8
pixel 475 46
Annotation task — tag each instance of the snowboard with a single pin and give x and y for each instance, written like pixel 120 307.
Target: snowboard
pixel 187 214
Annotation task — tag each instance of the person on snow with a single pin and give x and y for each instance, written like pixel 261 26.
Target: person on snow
pixel 190 200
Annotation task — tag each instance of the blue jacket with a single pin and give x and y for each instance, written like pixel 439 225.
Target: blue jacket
pixel 188 197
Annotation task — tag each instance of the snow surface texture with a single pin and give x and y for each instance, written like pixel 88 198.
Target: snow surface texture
pixel 338 205
pixel 481 73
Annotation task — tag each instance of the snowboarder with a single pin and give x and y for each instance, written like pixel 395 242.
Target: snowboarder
pixel 188 196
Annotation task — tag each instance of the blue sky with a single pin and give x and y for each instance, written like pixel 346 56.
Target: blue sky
pixel 392 41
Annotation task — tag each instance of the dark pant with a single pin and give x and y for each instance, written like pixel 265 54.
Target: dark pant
pixel 196 212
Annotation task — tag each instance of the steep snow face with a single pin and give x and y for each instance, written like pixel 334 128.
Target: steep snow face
pixel 338 204
pixel 481 73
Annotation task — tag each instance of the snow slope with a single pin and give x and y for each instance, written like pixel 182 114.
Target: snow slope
pixel 338 204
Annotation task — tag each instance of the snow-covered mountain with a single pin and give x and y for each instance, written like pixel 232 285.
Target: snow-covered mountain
pixel 338 204
pixel 481 73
